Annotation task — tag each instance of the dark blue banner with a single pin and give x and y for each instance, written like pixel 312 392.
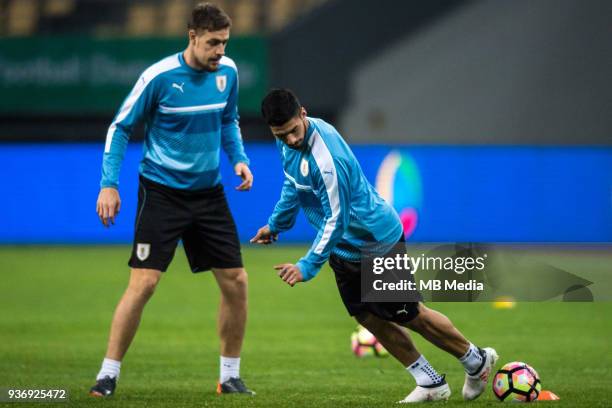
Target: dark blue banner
pixel 443 194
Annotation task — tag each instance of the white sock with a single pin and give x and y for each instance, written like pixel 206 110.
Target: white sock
pixel 109 368
pixel 229 367
pixel 424 374
pixel 472 360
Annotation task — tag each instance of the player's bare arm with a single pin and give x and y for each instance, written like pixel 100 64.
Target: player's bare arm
pixel 243 171
pixel 289 273
pixel 108 205
pixel 264 236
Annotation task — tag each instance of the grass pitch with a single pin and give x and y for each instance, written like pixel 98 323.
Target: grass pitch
pixel 56 304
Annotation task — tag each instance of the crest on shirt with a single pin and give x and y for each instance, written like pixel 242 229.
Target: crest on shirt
pixel 304 167
pixel 143 251
pixel 221 82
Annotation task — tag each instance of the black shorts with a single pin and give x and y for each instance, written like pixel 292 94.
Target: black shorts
pixel 200 218
pixel 348 279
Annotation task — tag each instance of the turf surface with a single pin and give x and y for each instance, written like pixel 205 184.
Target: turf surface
pixel 56 304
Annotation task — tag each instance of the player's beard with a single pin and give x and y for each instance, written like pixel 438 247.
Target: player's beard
pixel 209 64
pixel 300 145
pixel 297 146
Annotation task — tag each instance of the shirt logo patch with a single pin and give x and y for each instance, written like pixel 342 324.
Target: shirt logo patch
pixel 221 82
pixel 179 87
pixel 143 251
pixel 304 167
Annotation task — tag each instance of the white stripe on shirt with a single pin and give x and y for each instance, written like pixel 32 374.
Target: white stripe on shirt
pixel 147 76
pixel 191 109
pixel 296 184
pixel 229 62
pixel 325 162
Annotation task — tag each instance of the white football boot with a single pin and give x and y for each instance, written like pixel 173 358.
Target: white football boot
pixel 424 394
pixel 475 384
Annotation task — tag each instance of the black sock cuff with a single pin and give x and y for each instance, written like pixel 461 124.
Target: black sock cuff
pixel 439 383
pixel 483 354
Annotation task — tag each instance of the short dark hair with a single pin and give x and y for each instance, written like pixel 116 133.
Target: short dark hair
pixel 279 106
pixel 207 16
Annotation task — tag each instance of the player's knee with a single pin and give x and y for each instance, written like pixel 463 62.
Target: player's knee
pixel 417 324
pixel 146 287
pixel 242 279
pixel 366 319
pixel 421 322
pixel 236 278
pixel 143 283
pixel 233 284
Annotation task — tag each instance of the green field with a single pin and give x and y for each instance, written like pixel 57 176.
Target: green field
pixel 56 304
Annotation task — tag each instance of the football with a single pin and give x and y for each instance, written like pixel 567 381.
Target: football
pixel 517 382
pixel 365 344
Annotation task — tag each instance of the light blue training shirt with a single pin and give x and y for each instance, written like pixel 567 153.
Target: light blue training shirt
pixel 325 179
pixel 189 115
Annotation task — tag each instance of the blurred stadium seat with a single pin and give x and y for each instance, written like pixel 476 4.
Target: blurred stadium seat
pixel 56 8
pixel 245 17
pixel 175 14
pixel 22 16
pixel 141 20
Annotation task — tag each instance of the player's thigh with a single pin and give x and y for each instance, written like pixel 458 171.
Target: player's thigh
pixel 404 311
pixel 161 219
pixel 212 240
pixel 348 280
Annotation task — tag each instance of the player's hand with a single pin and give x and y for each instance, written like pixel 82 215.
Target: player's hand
pixel 289 273
pixel 108 205
pixel 243 171
pixel 264 236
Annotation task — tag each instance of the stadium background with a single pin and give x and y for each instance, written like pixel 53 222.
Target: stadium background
pixel 482 121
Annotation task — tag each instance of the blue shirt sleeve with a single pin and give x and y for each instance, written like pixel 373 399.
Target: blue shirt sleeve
pixel 137 105
pixel 231 139
pixel 286 209
pixel 332 187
